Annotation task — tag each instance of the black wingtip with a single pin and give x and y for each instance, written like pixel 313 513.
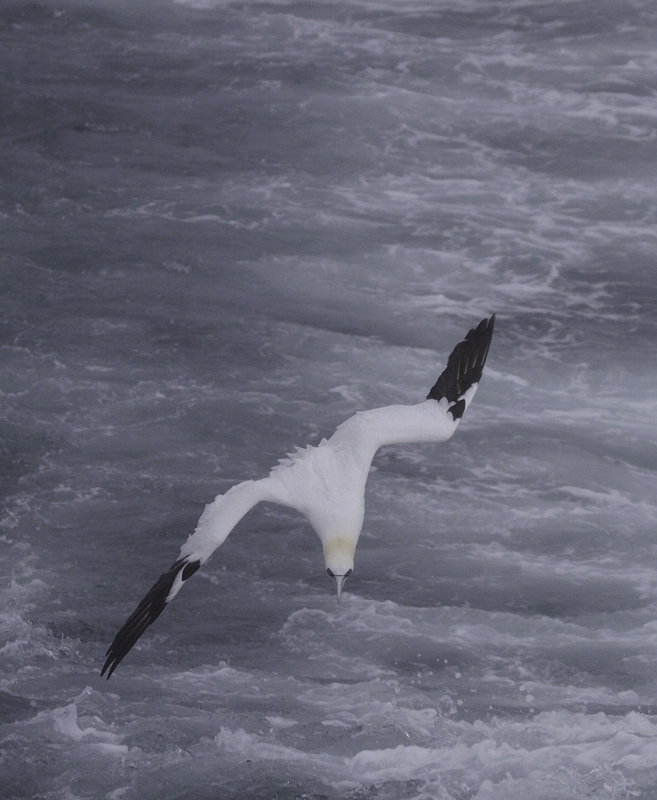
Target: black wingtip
pixel 464 367
pixel 145 614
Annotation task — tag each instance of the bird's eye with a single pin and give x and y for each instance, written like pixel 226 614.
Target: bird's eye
pixel 348 573
pixel 331 573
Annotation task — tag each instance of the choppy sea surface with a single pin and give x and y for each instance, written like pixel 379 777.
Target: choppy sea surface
pixel 225 228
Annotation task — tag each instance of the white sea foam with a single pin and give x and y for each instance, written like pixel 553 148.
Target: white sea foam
pixel 573 744
pixel 66 722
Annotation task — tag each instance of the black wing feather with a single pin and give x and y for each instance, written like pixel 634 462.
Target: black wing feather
pixel 145 614
pixel 464 367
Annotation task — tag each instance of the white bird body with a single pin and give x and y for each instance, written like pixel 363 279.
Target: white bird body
pixel 325 483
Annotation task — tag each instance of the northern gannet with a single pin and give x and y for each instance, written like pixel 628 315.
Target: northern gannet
pixel 325 483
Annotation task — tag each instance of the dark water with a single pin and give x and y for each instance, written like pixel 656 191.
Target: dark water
pixel 226 227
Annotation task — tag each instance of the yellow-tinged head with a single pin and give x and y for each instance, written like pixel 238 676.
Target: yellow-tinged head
pixel 339 559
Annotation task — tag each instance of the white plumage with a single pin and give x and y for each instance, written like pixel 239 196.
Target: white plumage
pixel 325 483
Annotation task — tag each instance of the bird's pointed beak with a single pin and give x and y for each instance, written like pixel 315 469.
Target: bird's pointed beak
pixel 339 582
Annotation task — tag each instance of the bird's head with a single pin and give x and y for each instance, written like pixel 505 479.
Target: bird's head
pixel 339 559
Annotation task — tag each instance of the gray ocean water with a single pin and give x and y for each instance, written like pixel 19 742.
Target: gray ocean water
pixel 225 228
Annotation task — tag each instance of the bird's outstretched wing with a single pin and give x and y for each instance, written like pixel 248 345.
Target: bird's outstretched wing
pixel 216 522
pixel 435 419
pixel 146 613
pixel 464 367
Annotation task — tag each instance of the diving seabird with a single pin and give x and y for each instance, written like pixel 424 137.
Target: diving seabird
pixel 325 483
